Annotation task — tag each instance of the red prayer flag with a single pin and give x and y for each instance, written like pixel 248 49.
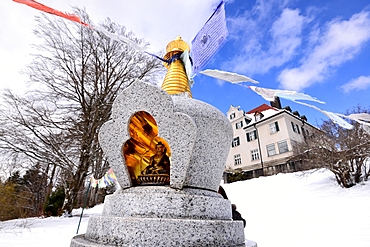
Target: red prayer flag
pixel 49 10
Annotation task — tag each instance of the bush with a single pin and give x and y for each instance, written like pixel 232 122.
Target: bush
pixel 54 203
pixel 344 152
pixel 7 201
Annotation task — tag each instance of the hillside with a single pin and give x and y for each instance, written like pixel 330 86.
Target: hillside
pixel 285 210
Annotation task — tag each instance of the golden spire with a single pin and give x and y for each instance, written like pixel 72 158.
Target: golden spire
pixel 176 80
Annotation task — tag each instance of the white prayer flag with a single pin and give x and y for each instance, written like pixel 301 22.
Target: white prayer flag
pixel 210 38
pixel 335 117
pixel 119 38
pixel 362 118
pixel 185 58
pixel 227 76
pixel 270 94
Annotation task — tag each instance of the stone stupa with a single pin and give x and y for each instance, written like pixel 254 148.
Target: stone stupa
pixel 168 152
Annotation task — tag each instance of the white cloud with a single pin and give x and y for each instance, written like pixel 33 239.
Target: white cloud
pixel 360 83
pixel 264 8
pixel 339 42
pixel 283 39
pixel 286 36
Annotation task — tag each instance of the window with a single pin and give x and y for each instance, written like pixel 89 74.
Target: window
pixel 255 154
pixel 247 121
pixel 274 127
pixel 237 159
pixel 239 125
pixel 258 116
pixel 305 132
pixel 232 115
pixel 236 142
pixel 252 135
pixel 295 128
pixel 271 149
pixel 283 147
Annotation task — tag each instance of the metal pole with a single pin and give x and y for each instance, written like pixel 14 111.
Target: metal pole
pixel 259 147
pixel 82 212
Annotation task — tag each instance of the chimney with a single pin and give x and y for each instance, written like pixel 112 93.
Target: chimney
pixel 276 103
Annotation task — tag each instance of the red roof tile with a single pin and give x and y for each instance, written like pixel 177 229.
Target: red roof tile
pixel 261 108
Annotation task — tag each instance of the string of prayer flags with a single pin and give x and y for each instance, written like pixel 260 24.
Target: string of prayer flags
pixel 108 179
pixel 205 44
pixel 269 94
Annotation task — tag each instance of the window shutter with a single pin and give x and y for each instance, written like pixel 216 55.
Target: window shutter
pixel 277 126
pixel 255 134
pixel 293 126
pixel 248 138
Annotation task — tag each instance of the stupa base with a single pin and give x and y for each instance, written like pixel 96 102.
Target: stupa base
pixel 134 232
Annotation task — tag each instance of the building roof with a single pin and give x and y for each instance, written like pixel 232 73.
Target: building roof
pixel 261 108
pixel 267 112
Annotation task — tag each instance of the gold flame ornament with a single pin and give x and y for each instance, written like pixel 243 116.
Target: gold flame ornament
pixel 176 80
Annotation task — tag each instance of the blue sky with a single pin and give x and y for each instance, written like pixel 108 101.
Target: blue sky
pixel 321 48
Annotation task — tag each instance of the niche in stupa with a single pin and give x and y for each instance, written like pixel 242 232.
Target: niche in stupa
pixel 146 154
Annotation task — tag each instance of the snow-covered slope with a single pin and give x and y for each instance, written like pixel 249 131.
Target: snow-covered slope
pixel 285 210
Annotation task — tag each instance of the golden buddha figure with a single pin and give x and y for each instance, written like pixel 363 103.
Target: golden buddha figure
pixel 159 162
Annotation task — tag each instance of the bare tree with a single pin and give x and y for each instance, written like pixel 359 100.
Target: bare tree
pixel 79 72
pixel 344 152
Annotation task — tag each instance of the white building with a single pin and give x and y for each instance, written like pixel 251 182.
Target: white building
pixel 263 138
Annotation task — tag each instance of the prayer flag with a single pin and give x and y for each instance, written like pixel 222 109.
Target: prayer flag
pixel 210 38
pixel 227 76
pixel 335 117
pixel 110 171
pixel 101 184
pixel 185 58
pixel 361 118
pixel 120 38
pixel 269 94
pixel 49 10
pixel 364 117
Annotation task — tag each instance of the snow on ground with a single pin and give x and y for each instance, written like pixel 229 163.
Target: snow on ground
pixel 288 210
pixel 285 210
pixel 44 232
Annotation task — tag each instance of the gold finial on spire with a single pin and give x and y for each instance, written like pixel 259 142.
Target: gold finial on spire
pixel 176 80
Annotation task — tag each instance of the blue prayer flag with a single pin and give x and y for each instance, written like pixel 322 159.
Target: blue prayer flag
pixel 210 38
